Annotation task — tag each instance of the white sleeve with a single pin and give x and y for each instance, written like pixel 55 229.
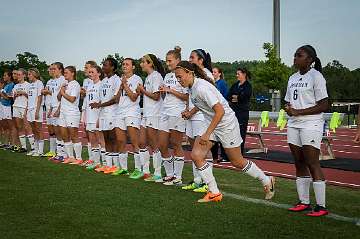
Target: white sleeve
pixel 158 81
pixel 287 95
pixel 40 87
pixel 209 96
pixel 320 91
pixel 116 85
pixel 75 90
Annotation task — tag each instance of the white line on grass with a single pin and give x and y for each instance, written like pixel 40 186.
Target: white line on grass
pixel 334 216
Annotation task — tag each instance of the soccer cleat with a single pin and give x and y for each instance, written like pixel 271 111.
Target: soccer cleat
pixel 101 169
pixel 270 189
pixel 299 207
pixel 146 175
pixel 68 160
pixel 120 172
pixel 50 154
pixel 153 178
pixel 93 166
pixel 21 150
pixel 175 181
pixel 15 148
pixel 112 169
pixel 77 162
pixel 58 159
pixel 87 163
pixel 35 154
pixel 190 186
pixel 30 153
pixel 136 174
pixel 318 211
pixel 202 189
pixel 165 179
pixel 211 197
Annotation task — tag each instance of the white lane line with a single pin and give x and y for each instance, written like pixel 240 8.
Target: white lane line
pixel 334 216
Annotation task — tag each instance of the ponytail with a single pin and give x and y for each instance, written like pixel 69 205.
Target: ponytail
pixel 310 50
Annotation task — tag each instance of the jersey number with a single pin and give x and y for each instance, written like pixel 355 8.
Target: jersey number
pixel 295 95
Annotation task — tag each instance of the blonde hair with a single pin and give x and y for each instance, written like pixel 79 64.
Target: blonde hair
pixel 35 72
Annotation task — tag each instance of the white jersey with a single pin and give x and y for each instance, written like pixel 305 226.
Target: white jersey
pixel 109 87
pixel 172 105
pixel 303 91
pixel 86 83
pixel 71 108
pixel 92 96
pixel 199 115
pixel 21 101
pixel 33 92
pixel 126 106
pixel 47 99
pixel 57 83
pixel 152 84
pixel 204 96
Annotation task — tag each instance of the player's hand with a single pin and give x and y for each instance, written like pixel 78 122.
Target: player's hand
pixel 57 113
pixel 291 111
pixel 82 92
pixel 62 90
pixel 140 89
pixel 37 115
pixel 94 105
pixel 186 114
pixel 164 89
pixel 204 139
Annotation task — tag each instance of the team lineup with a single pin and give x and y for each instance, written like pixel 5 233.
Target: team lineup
pixel 183 102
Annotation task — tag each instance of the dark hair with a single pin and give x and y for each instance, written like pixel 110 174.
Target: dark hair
pixel 157 66
pixel 205 56
pixel 220 71
pixel 113 63
pixel 191 67
pixel 133 63
pixel 245 71
pixel 312 53
pixel 176 52
pixel 60 66
pixel 91 63
pixel 99 70
pixel 9 73
pixel 72 69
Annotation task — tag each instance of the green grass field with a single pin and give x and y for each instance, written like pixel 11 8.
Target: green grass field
pixel 40 199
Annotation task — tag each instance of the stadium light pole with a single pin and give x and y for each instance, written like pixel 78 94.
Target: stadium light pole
pixel 276 26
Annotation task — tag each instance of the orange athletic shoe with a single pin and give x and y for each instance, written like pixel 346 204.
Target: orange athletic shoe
pixel 77 162
pixel 69 160
pixel 101 169
pixel 211 197
pixel 112 169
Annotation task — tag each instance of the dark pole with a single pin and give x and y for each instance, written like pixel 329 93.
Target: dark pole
pixel 276 26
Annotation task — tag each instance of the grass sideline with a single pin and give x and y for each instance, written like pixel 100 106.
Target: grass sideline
pixel 40 199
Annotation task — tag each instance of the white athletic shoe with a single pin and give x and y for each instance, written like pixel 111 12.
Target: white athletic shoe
pixel 35 154
pixel 270 189
pixel 174 181
pixel 30 153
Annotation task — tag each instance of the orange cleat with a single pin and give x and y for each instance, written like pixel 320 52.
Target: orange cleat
pixel 77 162
pixel 211 197
pixel 112 169
pixel 101 169
pixel 69 160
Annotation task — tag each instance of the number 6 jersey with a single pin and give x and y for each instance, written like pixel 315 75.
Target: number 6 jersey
pixel 303 91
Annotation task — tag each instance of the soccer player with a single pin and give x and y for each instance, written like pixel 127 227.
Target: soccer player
pixel 19 107
pixel 171 124
pixel 6 102
pixel 69 118
pixel 307 99
pixel 93 94
pixel 35 110
pixel 222 126
pixel 151 115
pixel 47 94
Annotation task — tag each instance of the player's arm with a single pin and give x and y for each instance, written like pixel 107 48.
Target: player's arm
pixel 132 95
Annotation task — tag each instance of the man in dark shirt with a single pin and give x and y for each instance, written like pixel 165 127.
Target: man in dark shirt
pixel 239 100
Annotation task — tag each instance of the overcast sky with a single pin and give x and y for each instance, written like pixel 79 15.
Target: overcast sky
pixel 76 31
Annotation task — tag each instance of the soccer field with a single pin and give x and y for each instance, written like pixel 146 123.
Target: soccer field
pixel 40 199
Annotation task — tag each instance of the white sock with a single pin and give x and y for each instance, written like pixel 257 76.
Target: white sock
pixel 145 160
pixel 31 141
pixel 115 159
pixel 157 163
pixel 320 191
pixel 103 154
pixel 169 166
pixel 52 142
pixel 36 146
pixel 78 149
pixel 255 172
pixel 95 155
pixel 197 177
pixel 137 161
pixel 207 176
pixel 108 159
pixel 123 159
pixel 22 139
pixel 62 151
pixel 303 188
pixel 178 166
pixel 69 148
pixel 41 146
pixel 89 148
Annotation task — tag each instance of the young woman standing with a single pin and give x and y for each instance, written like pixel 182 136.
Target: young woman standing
pixel 307 99
pixel 222 127
pixel 35 110
pixel 151 115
